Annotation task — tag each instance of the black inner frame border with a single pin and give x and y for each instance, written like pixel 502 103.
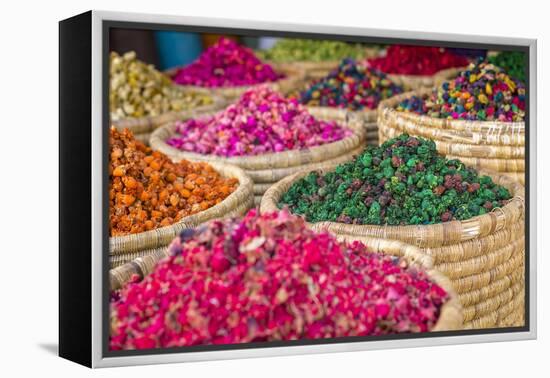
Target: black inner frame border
pixel 107 25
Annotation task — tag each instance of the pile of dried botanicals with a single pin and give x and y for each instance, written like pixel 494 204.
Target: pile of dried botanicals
pixel 482 92
pixel 404 181
pixel 262 121
pixel 512 62
pixel 417 60
pixel 351 86
pixel 139 90
pixel 268 277
pixel 226 64
pixel 147 190
pixel 312 50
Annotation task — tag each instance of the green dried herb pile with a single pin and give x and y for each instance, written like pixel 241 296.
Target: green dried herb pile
pixel 404 181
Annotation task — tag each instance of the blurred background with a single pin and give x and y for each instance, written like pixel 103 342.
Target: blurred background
pixel 168 49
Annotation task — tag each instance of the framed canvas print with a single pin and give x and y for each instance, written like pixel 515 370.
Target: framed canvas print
pixel 234 188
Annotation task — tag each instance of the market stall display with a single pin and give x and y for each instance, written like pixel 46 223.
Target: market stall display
pixel 152 197
pixel 408 161
pixel 471 225
pixel 228 69
pixel 316 58
pixel 265 134
pixel 415 67
pixel 267 277
pixel 141 98
pixel 351 90
pixel 477 117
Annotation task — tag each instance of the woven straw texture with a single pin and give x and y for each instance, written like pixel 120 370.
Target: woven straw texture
pixel 485 145
pixel 146 125
pixel 267 169
pixel 143 138
pixel 483 256
pixel 450 318
pixel 317 70
pixel 412 82
pixel 367 119
pixel 125 248
pixel 310 70
pixel 293 78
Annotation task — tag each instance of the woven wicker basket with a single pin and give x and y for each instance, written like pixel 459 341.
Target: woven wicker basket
pixel 123 249
pixel 365 118
pixel 144 126
pixel 293 78
pixel 412 82
pixel 267 169
pixel 494 146
pixel 317 70
pixel 310 70
pixel 450 318
pixel 483 256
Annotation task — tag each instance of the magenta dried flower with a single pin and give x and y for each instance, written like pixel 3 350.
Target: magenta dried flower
pixel 261 121
pixel 226 64
pixel 268 277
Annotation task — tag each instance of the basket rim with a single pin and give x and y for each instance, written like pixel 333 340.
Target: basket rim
pixel 460 145
pixel 292 75
pixel 148 123
pixel 386 108
pixel 470 228
pixel 118 244
pixel 451 313
pixel 370 53
pixel 442 74
pixel 310 64
pixel 364 115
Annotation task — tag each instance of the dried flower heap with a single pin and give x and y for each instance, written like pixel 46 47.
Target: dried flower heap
pixel 312 50
pixel 139 90
pixel 226 64
pixel 417 60
pixel 350 86
pixel 483 92
pixel 262 121
pixel 267 278
pixel 147 190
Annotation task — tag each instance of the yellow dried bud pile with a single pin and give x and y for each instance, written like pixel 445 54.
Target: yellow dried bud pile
pixel 138 90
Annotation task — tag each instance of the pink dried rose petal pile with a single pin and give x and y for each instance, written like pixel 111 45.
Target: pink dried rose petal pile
pixel 261 121
pixel 268 277
pixel 226 64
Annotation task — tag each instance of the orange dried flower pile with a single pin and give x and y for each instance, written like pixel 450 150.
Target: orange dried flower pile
pixel 147 190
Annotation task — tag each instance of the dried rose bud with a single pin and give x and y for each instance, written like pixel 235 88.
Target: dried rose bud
pixel 446 216
pixel 473 187
pixel 276 280
pixel 244 129
pixel 226 64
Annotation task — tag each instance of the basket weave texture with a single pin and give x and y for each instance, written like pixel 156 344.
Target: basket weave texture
pixel 293 78
pixel 485 145
pixel 483 257
pixel 144 126
pixel 317 70
pixel 123 249
pixel 413 82
pixel 367 119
